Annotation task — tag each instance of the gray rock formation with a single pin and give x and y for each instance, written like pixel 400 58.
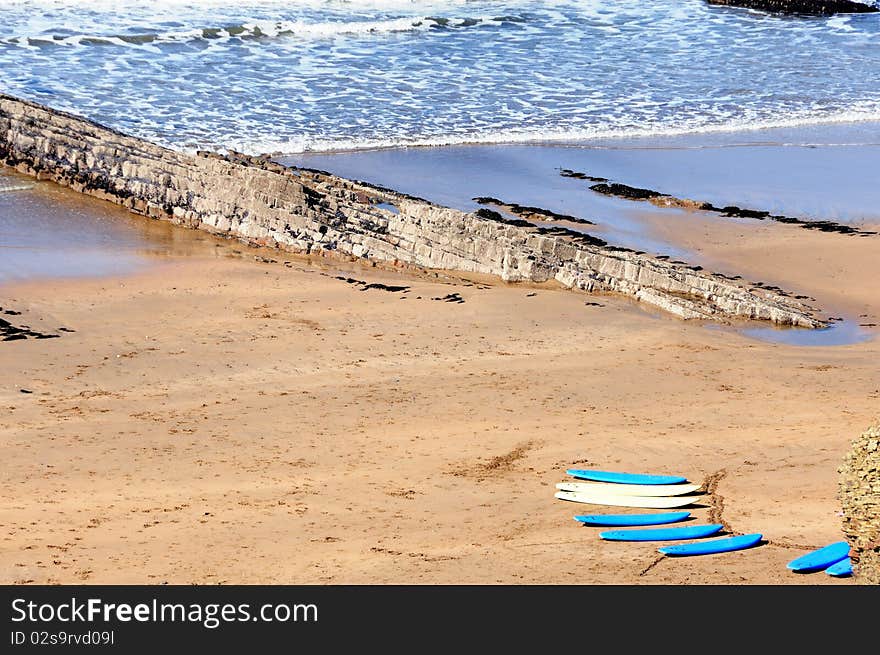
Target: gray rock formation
pixel 264 203
pixel 810 7
pixel 860 499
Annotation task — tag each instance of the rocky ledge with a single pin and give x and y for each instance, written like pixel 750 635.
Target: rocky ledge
pixel 808 7
pixel 264 203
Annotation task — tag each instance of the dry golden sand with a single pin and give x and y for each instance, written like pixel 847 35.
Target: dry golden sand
pixel 221 420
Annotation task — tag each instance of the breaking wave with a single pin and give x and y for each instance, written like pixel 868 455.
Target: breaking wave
pixel 262 30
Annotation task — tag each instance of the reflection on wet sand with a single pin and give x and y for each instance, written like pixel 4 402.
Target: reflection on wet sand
pixel 50 231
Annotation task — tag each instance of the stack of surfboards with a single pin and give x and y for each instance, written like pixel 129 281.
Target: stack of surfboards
pixel 667 492
pixel 647 491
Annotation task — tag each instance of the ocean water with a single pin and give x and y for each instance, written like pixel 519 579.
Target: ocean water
pixel 291 77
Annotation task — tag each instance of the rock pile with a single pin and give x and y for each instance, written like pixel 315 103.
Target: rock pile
pixel 860 498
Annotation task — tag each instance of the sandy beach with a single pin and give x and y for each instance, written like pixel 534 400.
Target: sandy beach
pixel 216 417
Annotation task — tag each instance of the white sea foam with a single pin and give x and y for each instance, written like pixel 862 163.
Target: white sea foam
pixel 306 144
pixel 7 185
pixel 254 29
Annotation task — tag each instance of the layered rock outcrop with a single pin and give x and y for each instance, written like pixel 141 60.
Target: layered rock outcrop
pixel 860 499
pixel 265 203
pixel 811 7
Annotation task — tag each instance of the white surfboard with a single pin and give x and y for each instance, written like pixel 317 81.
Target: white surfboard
pixel 594 498
pixel 629 489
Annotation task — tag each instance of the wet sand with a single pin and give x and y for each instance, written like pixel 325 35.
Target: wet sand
pixel 218 419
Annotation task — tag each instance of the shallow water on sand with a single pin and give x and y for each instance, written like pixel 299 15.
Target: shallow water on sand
pixel 47 231
pixel 827 174
pixel 837 334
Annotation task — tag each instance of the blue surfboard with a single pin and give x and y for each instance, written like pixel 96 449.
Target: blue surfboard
pixel 662 534
pixel 842 569
pixel 710 546
pixel 821 559
pixel 623 520
pixel 624 478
